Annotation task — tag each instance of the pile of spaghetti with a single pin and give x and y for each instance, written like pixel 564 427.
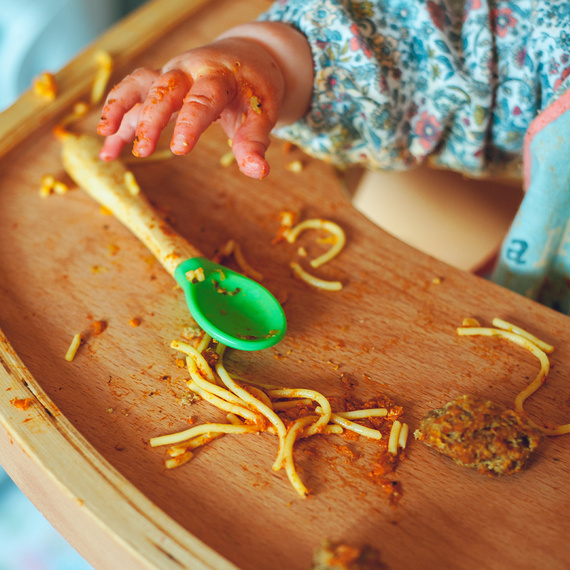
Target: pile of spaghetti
pixel 288 413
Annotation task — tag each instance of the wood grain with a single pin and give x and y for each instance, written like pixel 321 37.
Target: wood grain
pixel 81 450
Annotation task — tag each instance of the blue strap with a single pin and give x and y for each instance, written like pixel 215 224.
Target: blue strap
pixel 535 255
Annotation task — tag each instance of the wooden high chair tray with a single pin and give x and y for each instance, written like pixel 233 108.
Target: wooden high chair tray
pixel 81 450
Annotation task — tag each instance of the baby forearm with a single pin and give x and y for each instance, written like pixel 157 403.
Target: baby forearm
pixel 291 51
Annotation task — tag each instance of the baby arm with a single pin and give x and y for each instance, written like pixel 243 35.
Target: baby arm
pixel 252 78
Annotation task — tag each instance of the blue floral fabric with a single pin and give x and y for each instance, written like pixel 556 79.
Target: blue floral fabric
pixel 398 81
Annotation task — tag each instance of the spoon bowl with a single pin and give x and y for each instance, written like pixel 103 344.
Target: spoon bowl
pixel 230 307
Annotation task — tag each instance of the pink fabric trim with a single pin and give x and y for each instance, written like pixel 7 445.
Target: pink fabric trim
pixel 544 118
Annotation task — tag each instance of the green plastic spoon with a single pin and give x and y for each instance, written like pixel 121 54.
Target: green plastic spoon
pixel 230 307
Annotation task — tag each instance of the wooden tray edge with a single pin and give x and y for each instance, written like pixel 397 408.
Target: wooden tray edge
pixel 85 479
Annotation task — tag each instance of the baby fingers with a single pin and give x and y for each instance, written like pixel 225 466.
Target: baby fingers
pixel 124 96
pixel 165 97
pixel 203 105
pixel 249 144
pixel 113 144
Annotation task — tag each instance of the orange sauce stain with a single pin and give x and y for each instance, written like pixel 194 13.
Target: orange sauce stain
pixel 22 403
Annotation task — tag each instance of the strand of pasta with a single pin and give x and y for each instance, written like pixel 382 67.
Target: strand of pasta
pixel 501 324
pixel 219 391
pixel 223 404
pixel 394 438
pixel 182 453
pixel 557 430
pixel 353 426
pixel 250 403
pixel 104 69
pixel 288 461
pixel 311 394
pixel 403 439
pixel 314 281
pixel 255 403
pixel 523 339
pixel 331 429
pixel 231 247
pixel 285 405
pixel 317 223
pixel 198 430
pixel 178 460
pixel 361 414
pixel 204 343
pixel 201 362
pixel 194 443
pixel 260 395
pixel 244 265
pixel 233 419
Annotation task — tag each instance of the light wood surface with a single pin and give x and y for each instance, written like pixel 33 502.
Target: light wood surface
pixel 81 453
pixel 107 183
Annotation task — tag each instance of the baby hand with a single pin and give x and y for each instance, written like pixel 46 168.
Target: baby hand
pixel 233 79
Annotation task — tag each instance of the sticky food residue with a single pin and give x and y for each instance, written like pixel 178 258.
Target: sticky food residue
pixel 22 403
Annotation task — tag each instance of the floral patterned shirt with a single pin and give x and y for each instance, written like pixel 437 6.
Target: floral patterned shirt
pixel 398 81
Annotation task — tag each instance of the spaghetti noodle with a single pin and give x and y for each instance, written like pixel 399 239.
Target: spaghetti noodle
pixel 536 347
pixel 73 347
pixel 289 413
pixel 314 281
pixel 337 238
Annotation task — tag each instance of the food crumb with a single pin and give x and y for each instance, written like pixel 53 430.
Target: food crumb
pixel 113 249
pixel 255 104
pixel 99 327
pixel 104 63
pixel 134 322
pixel 49 185
pixel 341 556
pixel 131 183
pixel 46 185
pixel 195 275
pixel 192 333
pixel 295 166
pixel 227 159
pixel 287 147
pixel 45 86
pixel 60 188
pixel 73 347
pixel 470 322
pixel 22 403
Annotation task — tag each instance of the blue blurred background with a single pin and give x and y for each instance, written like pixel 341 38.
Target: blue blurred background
pixel 36 36
pixel 43 35
pixel 27 540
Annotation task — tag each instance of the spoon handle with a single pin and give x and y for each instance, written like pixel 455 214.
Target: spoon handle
pixel 114 187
